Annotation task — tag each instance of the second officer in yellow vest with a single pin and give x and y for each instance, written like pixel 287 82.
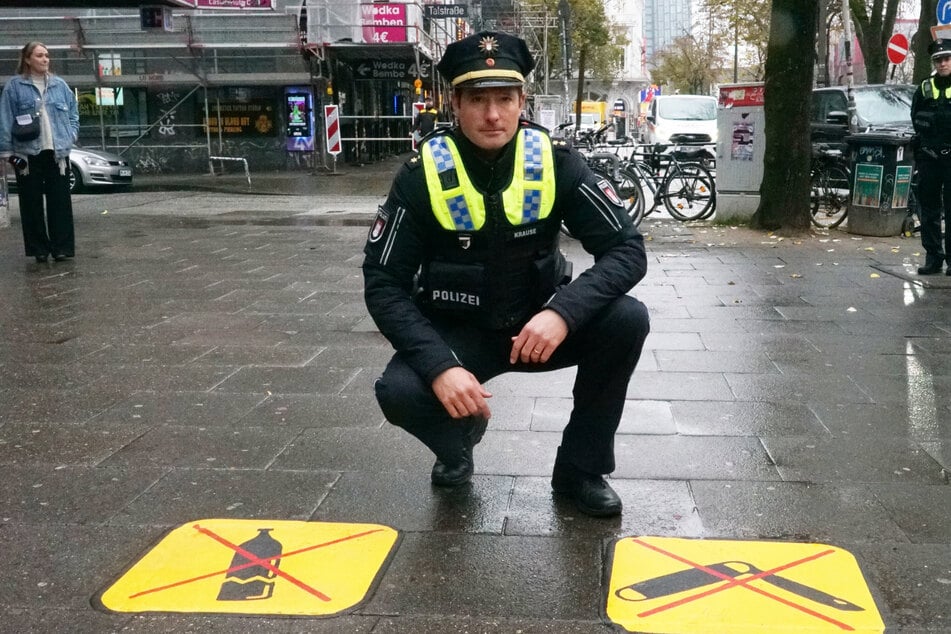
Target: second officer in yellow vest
pixel 464 276
pixel 931 116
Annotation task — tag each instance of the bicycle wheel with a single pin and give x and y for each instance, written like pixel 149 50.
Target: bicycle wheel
pixel 688 191
pixel 830 196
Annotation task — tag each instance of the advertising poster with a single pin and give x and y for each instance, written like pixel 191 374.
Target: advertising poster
pixel 741 148
pixel 300 120
pixel 902 186
pixel 383 22
pixel 868 185
pixel 253 117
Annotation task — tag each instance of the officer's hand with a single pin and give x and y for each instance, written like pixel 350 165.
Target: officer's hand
pixel 461 394
pixel 539 338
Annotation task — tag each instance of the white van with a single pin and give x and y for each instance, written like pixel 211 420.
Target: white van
pixel 680 114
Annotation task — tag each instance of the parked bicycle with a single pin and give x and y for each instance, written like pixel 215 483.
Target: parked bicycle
pixel 831 183
pixel 673 174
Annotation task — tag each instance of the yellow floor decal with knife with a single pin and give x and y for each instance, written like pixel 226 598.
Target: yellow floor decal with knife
pixel 708 586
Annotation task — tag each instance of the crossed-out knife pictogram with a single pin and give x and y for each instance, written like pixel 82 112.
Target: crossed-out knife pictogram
pixel 692 578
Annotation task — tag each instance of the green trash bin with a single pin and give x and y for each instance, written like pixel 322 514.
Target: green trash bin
pixel 882 165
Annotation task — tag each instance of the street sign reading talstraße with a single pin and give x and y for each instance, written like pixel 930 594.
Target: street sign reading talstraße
pixel 447 11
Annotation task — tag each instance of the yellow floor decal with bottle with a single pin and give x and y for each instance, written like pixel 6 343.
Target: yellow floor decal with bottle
pixel 700 586
pixel 256 567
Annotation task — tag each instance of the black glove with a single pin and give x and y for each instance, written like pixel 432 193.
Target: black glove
pixel 18 163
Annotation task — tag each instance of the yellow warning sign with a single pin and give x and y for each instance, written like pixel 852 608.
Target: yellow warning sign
pixel 706 586
pixel 256 567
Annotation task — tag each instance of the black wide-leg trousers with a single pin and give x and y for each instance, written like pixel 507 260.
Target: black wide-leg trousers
pixel 605 350
pixel 934 199
pixel 49 232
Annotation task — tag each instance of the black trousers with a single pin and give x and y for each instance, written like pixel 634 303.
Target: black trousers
pixel 934 198
pixel 606 351
pixel 50 232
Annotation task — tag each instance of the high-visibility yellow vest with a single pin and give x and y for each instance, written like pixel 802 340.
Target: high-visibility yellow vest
pixel 928 88
pixel 459 206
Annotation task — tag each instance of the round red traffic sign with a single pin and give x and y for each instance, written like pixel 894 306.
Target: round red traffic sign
pixel 897 49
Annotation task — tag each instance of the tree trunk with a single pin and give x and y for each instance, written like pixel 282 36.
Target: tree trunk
pixel 873 32
pixel 784 192
pixel 922 38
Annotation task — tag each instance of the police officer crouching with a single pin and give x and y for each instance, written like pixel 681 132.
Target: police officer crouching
pixel 931 117
pixel 464 277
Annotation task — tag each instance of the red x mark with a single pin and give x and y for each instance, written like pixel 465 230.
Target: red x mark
pixel 735 582
pixel 254 560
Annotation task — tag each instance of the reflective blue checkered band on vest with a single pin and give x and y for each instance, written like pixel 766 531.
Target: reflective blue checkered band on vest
pixel 441 155
pixel 532 201
pixel 460 213
pixel 458 208
pixel 533 155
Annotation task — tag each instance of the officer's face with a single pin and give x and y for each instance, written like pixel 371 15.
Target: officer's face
pixel 488 116
pixel 942 65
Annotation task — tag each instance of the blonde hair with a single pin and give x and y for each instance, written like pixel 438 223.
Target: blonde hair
pixel 23 68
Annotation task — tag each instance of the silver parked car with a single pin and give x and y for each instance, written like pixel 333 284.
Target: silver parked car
pixel 94 168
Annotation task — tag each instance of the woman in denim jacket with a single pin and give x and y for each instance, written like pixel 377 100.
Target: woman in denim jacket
pixel 41 162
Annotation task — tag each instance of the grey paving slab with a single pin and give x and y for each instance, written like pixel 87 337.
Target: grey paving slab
pixel 69 406
pixel 745 418
pixel 223 448
pixel 651 507
pixel 865 459
pixel 79 621
pixel 57 444
pixel 912 581
pixel 692 457
pixel 285 380
pixel 60 566
pixel 794 511
pixel 517 577
pixel 281 355
pixel 918 419
pixel 68 494
pixel 680 386
pixel 714 361
pixel 382 450
pixel 941 452
pixel 307 410
pixel 808 388
pixel 922 512
pixel 194 409
pixel 186 494
pixel 409 502
pixel 638 416
pixel 163 355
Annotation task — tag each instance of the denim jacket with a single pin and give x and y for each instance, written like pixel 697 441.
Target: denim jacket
pixel 20 96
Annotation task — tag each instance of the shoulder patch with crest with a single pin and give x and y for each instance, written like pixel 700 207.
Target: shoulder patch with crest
pixel 608 190
pixel 379 224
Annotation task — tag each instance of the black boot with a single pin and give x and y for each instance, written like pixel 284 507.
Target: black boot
pixel 457 474
pixel 930 268
pixel 589 491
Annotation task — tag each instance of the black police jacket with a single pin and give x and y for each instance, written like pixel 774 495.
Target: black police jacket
pixel 406 238
pixel 932 117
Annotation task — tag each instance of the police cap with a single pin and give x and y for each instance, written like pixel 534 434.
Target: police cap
pixel 940 48
pixel 485 60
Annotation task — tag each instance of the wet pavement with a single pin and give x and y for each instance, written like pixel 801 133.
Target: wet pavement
pixel 208 355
